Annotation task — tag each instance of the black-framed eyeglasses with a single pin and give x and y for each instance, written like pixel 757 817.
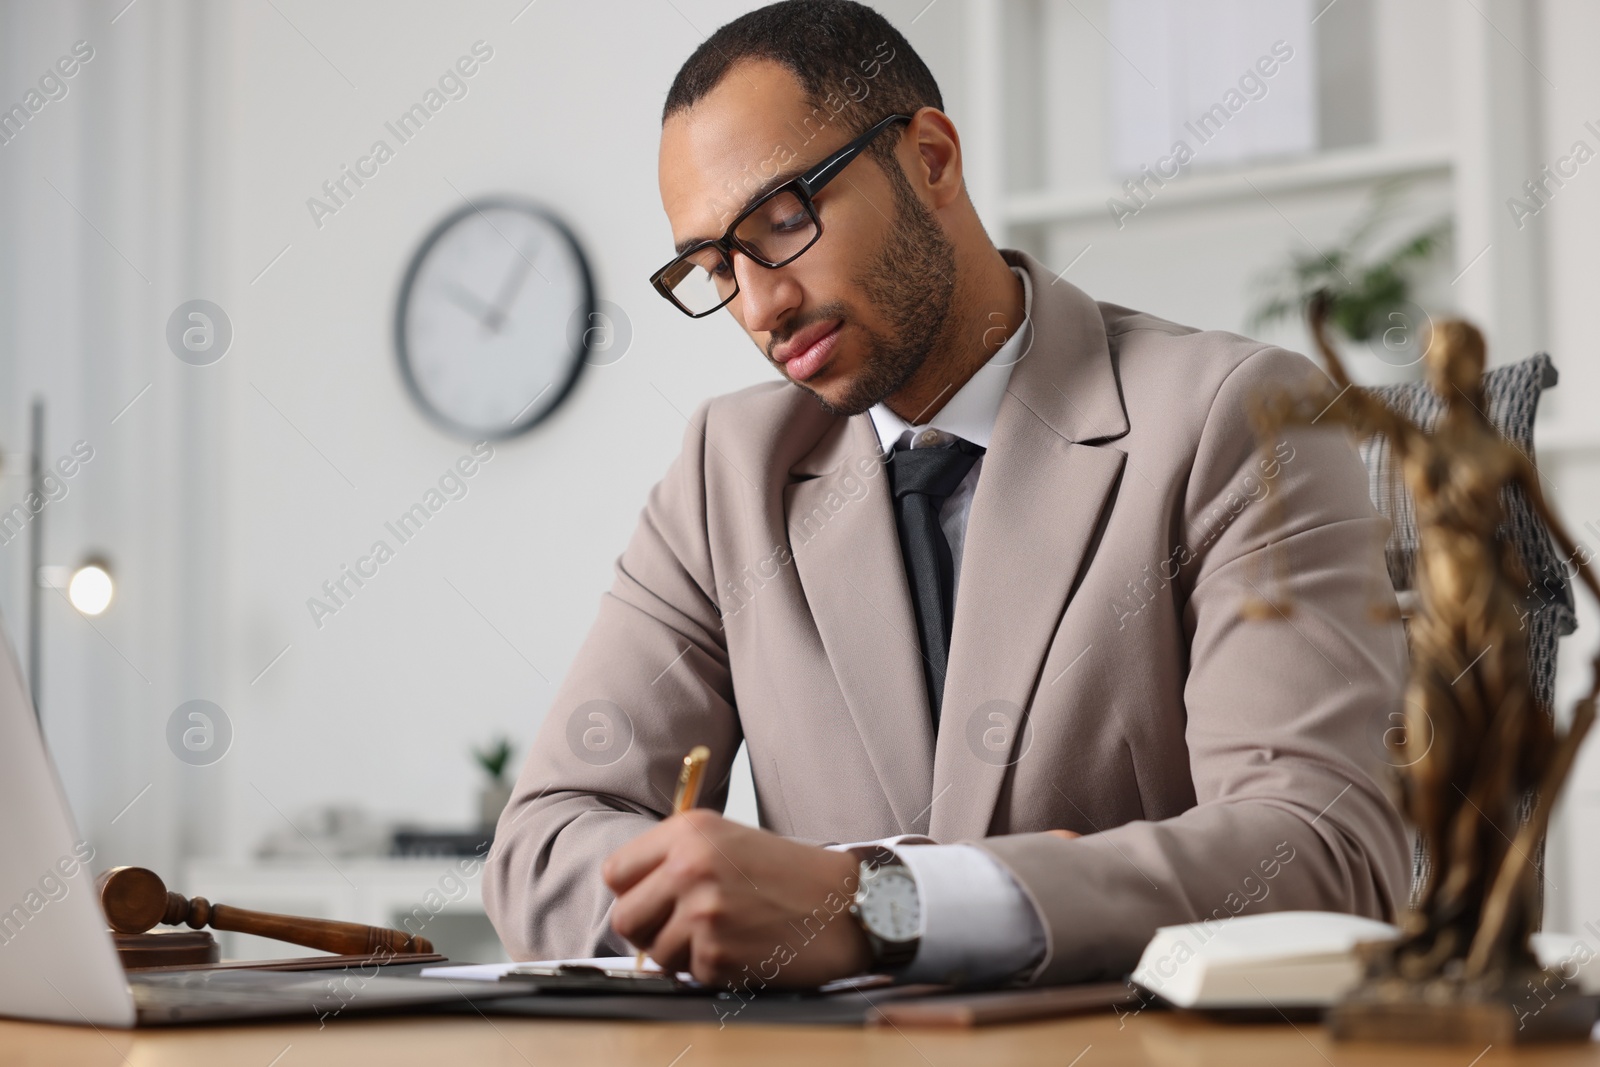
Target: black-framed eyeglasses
pixel 773 232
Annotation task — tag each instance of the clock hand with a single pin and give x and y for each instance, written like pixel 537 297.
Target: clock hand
pixel 510 287
pixel 468 302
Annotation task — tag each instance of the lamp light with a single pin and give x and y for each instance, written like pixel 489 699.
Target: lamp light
pixel 91 588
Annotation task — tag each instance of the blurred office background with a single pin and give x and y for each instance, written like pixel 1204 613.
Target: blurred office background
pixel 176 164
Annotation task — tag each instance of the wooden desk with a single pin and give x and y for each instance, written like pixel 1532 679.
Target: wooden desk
pixel 1089 1041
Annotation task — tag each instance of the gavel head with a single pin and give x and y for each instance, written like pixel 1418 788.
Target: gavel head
pixel 134 899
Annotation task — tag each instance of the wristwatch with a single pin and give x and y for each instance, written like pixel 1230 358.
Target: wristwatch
pixel 888 907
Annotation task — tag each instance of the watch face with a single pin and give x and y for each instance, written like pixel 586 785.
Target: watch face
pixel 890 906
pixel 492 319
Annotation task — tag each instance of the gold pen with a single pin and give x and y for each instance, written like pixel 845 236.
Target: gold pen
pixel 684 798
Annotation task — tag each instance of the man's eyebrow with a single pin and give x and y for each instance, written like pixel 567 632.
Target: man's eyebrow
pixel 780 178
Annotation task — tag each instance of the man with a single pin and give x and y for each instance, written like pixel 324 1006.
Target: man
pixel 973 585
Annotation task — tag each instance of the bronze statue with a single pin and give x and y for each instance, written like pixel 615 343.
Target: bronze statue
pixel 1474 739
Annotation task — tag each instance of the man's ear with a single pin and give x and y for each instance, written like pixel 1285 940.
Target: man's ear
pixel 939 155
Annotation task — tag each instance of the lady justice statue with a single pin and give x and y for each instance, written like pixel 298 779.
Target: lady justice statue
pixel 1474 741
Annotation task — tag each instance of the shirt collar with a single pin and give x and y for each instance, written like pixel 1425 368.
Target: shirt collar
pixel 972 412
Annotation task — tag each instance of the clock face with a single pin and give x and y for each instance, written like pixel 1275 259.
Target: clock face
pixel 491 322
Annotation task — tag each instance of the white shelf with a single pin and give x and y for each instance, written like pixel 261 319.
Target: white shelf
pixel 1205 189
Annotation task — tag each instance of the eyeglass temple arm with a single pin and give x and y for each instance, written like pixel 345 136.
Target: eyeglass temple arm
pixel 822 175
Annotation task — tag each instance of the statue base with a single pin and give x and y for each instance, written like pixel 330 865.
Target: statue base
pixel 1530 1006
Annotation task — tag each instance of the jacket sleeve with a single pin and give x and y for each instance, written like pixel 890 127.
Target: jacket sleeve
pixel 650 681
pixel 1285 716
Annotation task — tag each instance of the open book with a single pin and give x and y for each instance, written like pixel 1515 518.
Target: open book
pixel 1300 959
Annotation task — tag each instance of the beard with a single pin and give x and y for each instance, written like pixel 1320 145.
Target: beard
pixel 910 283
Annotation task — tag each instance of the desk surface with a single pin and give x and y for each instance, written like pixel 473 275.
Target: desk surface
pixel 1091 1041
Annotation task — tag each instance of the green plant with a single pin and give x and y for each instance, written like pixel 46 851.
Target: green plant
pixel 495 759
pixel 1363 290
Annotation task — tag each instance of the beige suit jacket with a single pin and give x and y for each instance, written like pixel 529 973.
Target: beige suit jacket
pixel 1216 765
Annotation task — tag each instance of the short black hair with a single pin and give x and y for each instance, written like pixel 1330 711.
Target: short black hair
pixel 844 54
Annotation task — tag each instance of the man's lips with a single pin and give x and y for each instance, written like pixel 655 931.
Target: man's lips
pixel 804 354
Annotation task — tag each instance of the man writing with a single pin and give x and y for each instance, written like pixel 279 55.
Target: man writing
pixel 967 584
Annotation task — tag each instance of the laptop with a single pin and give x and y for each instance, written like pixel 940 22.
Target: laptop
pixel 57 959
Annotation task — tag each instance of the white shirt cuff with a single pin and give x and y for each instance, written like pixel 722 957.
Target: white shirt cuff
pixel 977 925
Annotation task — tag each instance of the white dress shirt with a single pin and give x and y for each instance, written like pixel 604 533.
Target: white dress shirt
pixel 977 926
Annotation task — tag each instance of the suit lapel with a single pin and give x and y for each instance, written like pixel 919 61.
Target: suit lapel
pixel 846 550
pixel 1040 500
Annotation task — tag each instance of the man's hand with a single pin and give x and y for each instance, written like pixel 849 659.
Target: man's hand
pixel 726 902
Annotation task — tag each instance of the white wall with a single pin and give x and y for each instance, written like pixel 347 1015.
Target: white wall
pixel 1571 443
pixel 108 218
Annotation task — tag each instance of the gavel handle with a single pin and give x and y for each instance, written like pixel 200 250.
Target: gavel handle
pixel 329 935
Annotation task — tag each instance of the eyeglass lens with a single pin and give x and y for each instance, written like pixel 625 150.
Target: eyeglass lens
pixel 776 231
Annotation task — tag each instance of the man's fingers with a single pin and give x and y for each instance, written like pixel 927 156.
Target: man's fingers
pixel 639 857
pixel 669 895
pixel 641 910
pixel 686 942
pixel 672 943
pixel 628 864
pixel 1067 834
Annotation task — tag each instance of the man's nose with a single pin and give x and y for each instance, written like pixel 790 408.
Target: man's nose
pixel 766 295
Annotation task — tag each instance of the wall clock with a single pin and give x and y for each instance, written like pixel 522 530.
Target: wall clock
pixel 490 326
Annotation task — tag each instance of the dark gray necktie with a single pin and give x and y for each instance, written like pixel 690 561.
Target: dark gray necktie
pixel 922 478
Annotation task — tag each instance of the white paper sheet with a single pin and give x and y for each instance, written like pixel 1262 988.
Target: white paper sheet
pixel 492 972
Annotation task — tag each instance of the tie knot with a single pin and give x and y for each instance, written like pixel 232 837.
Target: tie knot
pixel 933 472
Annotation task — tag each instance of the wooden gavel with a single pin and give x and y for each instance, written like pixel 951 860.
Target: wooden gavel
pixel 135 899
